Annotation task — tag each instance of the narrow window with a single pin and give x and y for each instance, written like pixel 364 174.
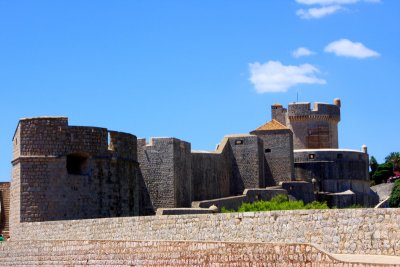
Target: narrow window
pixel 238 142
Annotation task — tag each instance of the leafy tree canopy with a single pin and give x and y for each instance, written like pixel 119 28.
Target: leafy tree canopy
pixel 393 157
pixel 382 173
pixel 373 163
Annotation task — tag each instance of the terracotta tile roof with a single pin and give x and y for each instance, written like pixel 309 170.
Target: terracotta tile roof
pixel 271 126
pixel 277 105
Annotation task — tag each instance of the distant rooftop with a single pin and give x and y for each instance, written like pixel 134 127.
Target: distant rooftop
pixel 277 105
pixel 272 125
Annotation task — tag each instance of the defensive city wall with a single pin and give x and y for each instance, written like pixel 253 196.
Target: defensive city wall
pixel 63 172
pixel 94 186
pixel 353 231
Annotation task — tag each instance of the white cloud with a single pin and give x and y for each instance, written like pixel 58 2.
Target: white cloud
pixel 273 76
pixel 302 52
pixel 334 2
pixel 325 7
pixel 347 48
pixel 318 12
pixel 326 2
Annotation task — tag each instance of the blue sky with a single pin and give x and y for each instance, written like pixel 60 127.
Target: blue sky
pixel 198 70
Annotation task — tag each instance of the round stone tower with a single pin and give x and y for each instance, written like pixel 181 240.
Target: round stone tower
pixel 314 128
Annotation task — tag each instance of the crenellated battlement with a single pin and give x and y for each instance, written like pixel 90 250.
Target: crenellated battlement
pixel 320 111
pixel 52 136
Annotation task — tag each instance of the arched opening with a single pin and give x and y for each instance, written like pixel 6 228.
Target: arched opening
pixel 77 163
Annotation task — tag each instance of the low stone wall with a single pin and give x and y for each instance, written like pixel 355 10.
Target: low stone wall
pixel 354 231
pixel 183 211
pixel 163 253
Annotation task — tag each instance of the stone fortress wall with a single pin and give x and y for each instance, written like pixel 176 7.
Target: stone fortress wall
pixel 277 152
pixel 67 172
pixel 339 175
pixel 73 172
pixel 174 176
pixel 236 164
pixel 63 174
pixel 165 167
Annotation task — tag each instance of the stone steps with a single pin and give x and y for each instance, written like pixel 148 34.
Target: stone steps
pixel 167 253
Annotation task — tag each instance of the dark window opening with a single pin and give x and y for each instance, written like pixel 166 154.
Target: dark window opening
pixel 339 156
pixel 267 150
pixel 238 142
pixel 311 156
pixel 77 164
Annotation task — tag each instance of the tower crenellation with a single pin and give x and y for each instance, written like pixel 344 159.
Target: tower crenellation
pixel 322 111
pixel 314 127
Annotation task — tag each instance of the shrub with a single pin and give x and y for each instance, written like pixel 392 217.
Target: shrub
pixel 225 210
pixel 355 206
pixel 394 200
pixel 315 205
pixel 279 202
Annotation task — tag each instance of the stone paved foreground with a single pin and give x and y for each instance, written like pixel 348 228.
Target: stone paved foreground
pixel 372 259
pixel 175 253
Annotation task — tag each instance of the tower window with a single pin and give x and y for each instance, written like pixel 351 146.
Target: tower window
pixel 267 150
pixel 77 163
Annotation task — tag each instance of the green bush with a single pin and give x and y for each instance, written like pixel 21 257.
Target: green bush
pixel 279 202
pixel 355 206
pixel 225 210
pixel 394 200
pixel 315 205
pixel 382 173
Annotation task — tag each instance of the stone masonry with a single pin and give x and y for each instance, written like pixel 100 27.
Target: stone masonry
pixel 164 253
pixel 312 128
pixel 351 231
pixel 67 172
pixel 63 172
pixel 278 152
pixel 166 169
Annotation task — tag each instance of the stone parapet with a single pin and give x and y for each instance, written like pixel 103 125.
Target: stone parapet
pixel 352 231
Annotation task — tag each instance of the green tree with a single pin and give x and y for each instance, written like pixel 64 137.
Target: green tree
pixel 373 164
pixel 383 172
pixel 394 157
